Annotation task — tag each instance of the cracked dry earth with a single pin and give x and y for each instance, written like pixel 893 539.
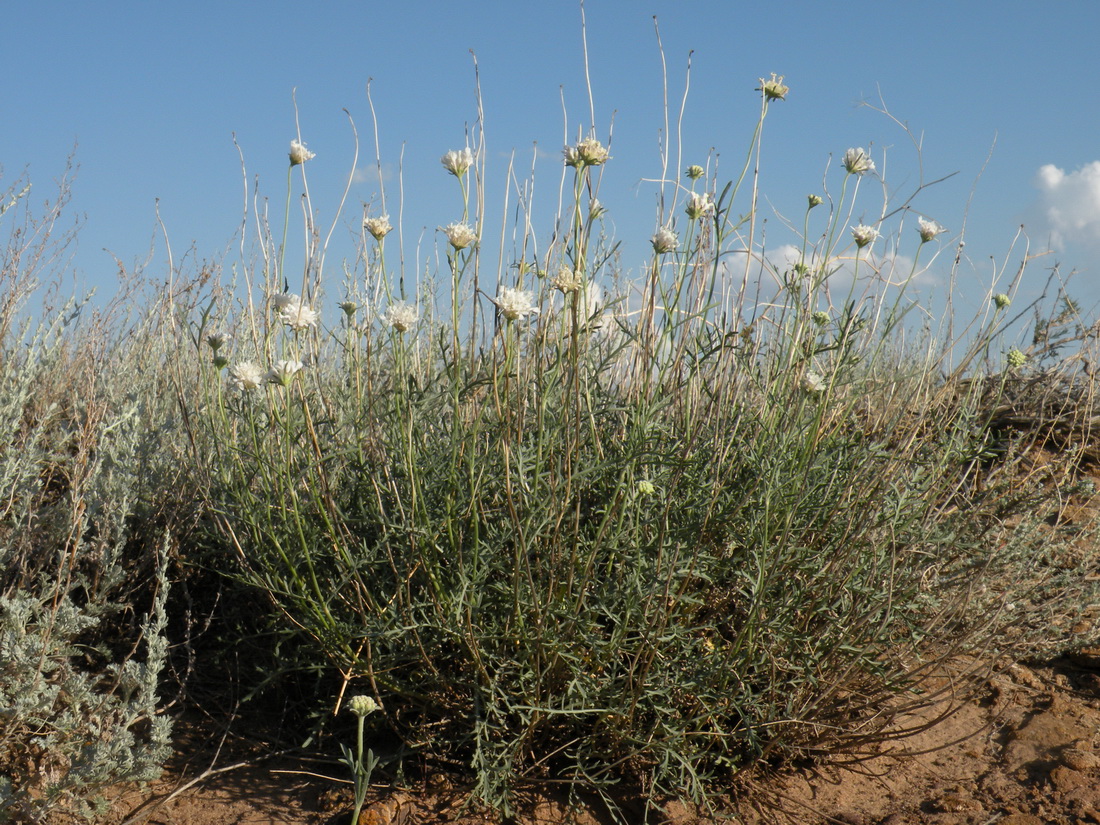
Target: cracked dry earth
pixel 1023 748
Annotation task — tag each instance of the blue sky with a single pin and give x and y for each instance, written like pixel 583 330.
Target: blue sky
pixel 149 96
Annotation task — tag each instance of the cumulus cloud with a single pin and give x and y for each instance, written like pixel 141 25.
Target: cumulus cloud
pixel 1070 203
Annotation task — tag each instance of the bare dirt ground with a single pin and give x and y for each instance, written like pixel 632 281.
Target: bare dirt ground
pixel 1023 748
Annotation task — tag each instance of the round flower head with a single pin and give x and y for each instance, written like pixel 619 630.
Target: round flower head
pixel 588 152
pixel 928 229
pixel 245 376
pixel 857 162
pixel 299 153
pixel 695 171
pixel 567 280
pixel 664 240
pixel 284 300
pixel 400 316
pixel 1016 358
pixel 298 316
pixel 515 304
pixel 699 205
pixel 378 227
pixel 812 383
pixel 460 235
pixel 457 163
pixel 814 200
pixel 864 235
pixel 646 487
pixel 1002 301
pixel 349 308
pixel 362 705
pixel 283 372
pixel 773 89
pixel 821 318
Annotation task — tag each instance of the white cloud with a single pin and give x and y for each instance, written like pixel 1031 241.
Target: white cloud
pixel 1070 203
pixel 368 173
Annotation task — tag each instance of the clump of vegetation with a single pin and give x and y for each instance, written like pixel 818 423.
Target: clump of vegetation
pixel 555 523
pixel 83 569
pixel 654 533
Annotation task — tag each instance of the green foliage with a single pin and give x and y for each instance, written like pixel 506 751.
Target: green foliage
pixel 653 539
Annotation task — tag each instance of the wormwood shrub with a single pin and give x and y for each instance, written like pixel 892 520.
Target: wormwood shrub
pixel 654 537
pixel 83 584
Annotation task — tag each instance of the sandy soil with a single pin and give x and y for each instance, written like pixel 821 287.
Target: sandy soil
pixel 1022 748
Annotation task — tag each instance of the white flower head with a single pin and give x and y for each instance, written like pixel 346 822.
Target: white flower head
pixel 378 227
pixel 515 304
pixel 283 372
pixel 864 235
pixel 299 153
pixel 812 383
pixel 245 376
pixel 858 162
pixel 217 340
pixel 588 152
pixel 567 280
pixel 457 163
pixel 664 240
pixel 401 316
pixel 928 229
pixel 699 205
pixel 460 235
pixel 284 300
pixel 773 89
pixel 298 316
